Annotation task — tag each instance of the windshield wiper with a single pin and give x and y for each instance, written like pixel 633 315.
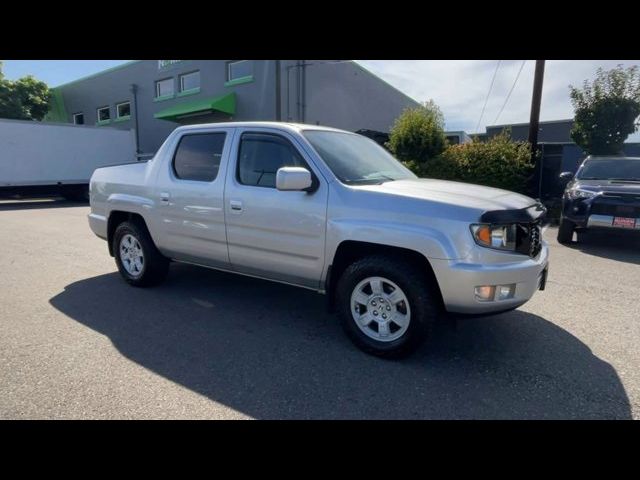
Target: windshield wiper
pixel 632 179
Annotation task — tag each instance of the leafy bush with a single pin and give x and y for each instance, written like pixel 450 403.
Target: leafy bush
pixel 418 134
pixel 498 162
pixel 606 110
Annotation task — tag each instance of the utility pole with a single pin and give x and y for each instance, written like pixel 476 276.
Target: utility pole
pixel 534 121
pixel 278 92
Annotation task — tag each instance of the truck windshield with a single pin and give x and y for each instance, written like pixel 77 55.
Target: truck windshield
pixel 610 169
pixel 356 160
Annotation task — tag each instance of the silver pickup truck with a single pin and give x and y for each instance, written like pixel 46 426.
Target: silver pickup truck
pixel 327 210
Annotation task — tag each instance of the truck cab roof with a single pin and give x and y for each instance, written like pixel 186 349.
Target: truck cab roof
pixel 280 125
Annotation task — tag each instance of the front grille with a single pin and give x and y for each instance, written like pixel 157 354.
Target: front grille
pixel 529 239
pixel 617 204
pixel 615 209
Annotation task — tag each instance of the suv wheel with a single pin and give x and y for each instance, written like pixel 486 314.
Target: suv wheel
pixel 565 231
pixel 386 306
pixel 138 260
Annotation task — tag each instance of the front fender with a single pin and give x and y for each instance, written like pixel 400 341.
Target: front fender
pixel 429 242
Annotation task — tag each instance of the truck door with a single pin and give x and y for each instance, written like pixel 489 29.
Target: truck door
pixel 190 194
pixel 273 234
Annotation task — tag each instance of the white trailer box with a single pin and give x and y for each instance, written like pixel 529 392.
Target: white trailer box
pixel 58 157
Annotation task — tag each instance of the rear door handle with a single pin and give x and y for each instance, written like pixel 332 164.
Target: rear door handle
pixel 236 205
pixel 164 197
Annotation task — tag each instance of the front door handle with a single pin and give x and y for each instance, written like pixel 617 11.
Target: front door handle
pixel 164 197
pixel 236 206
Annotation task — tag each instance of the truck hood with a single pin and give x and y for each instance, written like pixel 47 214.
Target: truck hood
pixel 458 194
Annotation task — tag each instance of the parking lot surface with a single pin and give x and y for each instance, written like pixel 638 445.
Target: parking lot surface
pixel 77 342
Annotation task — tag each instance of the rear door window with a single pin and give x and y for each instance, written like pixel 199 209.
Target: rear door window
pixel 198 156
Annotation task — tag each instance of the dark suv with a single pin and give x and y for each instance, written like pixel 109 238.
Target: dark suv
pixel 605 193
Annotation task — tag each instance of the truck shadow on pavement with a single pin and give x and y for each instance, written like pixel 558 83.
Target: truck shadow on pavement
pixel 619 246
pixel 271 351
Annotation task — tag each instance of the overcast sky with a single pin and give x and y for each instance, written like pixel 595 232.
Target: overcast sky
pixel 459 87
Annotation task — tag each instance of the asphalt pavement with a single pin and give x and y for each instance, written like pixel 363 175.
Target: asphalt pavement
pixel 78 342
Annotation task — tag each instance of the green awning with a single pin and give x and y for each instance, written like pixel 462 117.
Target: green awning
pixel 224 103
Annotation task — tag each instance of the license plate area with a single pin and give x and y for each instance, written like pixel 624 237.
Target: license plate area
pixel 624 222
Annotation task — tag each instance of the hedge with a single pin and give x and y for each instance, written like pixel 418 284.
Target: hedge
pixel 498 162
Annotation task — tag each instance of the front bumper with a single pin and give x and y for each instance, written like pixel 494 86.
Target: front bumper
pixel 607 221
pixel 600 211
pixel 457 281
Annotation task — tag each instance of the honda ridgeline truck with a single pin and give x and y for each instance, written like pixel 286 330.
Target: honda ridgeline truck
pixel 327 210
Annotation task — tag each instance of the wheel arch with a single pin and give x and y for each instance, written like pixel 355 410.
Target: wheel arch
pixel 349 251
pixel 116 217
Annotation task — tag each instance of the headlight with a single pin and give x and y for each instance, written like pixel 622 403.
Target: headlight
pixel 502 237
pixel 576 193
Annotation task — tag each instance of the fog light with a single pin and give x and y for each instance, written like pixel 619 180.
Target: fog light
pixel 485 293
pixel 506 292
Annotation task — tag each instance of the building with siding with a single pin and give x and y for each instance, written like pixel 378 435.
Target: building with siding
pixel 152 97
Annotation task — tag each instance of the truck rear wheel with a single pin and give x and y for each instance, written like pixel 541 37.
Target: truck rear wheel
pixel 138 260
pixel 386 306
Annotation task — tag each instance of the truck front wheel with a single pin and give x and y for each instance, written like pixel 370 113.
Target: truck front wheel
pixel 386 306
pixel 138 260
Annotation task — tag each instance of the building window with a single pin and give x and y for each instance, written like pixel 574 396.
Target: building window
pixel 104 115
pixel 198 157
pixel 190 81
pixel 239 70
pixel 260 157
pixel 78 118
pixel 164 88
pixel 123 110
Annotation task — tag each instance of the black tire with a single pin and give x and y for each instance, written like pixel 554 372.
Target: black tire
pixel 565 231
pixel 423 301
pixel 155 266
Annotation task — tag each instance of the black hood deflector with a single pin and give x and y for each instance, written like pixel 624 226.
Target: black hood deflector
pixel 530 214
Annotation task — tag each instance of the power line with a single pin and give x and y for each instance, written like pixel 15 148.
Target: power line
pixel 488 93
pixel 510 92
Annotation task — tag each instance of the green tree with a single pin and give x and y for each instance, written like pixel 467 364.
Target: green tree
pixel 606 110
pixel 418 134
pixel 23 99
